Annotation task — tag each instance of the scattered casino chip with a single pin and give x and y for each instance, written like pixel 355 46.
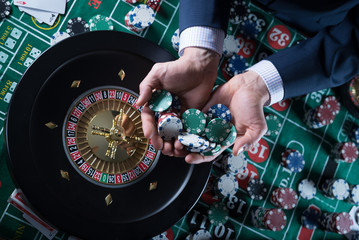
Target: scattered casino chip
pixel 354 194
pixel 202 234
pixel 194 121
pixel 132 1
pixel 217 130
pixel 175 40
pixel 310 218
pixel 307 189
pixel 236 65
pixel 100 22
pixel 160 101
pixel 76 26
pixel 5 8
pixel 218 214
pixel 153 4
pixel 58 36
pixel 238 11
pixel 249 29
pixel 273 125
pixel 219 111
pixel 231 136
pixel 256 189
pixel 141 16
pixel 170 127
pixel 231 46
pixel 227 185
pixel 190 140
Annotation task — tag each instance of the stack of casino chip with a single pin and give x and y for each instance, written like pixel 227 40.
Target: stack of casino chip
pixel 307 189
pixel 238 11
pixel 234 164
pixel 268 218
pixel 226 185
pixel 256 189
pixel 336 222
pixel 336 188
pixel 345 152
pixel 218 214
pixel 324 114
pixel 139 18
pixel 169 126
pixel 293 160
pixel 231 46
pixel 354 194
pixel 310 218
pixel 285 198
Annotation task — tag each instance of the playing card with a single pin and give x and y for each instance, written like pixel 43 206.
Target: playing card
pixel 54 6
pixel 41 16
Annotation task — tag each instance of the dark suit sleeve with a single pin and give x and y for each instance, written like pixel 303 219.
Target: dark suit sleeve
pixel 209 13
pixel 329 59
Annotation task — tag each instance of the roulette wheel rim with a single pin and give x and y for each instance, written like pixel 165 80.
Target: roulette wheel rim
pixel 37 154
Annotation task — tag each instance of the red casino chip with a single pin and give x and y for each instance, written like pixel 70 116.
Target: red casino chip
pixel 279 37
pixel 325 115
pixel 332 103
pixel 348 152
pixel 275 219
pixel 342 223
pixel 285 198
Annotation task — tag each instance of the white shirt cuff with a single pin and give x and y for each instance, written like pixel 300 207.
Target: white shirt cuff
pixel 271 78
pixel 204 37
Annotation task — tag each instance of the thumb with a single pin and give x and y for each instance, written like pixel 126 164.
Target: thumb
pixel 149 83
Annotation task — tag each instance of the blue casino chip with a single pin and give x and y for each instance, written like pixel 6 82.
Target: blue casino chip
pixel 295 162
pixel 219 111
pixel 310 218
pixel 236 65
pixel 249 29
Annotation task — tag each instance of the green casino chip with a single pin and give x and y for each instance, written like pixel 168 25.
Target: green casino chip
pixel 273 124
pixel 211 152
pixel 231 137
pixel 194 121
pixel 218 214
pixel 100 22
pixel 217 130
pixel 161 100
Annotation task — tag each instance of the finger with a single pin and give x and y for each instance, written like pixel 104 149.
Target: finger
pixel 180 153
pixel 168 148
pixel 195 158
pixel 150 82
pixel 247 141
pixel 150 129
pixel 178 145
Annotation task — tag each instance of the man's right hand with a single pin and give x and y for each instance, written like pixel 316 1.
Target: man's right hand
pixel 191 78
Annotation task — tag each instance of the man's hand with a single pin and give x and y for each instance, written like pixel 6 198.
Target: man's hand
pixel 190 77
pixel 245 95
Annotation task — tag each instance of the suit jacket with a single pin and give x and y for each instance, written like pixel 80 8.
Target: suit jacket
pixel 327 59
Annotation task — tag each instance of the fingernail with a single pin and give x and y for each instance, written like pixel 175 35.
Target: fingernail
pixel 242 149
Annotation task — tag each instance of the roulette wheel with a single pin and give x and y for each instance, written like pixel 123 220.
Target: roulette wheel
pixel 76 147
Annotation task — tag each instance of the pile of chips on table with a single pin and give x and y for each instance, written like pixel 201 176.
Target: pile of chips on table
pixel 139 18
pixel 199 132
pixel 324 114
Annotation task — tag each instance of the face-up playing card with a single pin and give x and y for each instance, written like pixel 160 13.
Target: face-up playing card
pixel 55 6
pixel 42 16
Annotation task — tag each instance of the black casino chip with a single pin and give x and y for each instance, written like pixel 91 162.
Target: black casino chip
pixel 238 11
pixel 349 96
pixel 82 160
pixel 5 8
pixel 256 189
pixel 77 25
